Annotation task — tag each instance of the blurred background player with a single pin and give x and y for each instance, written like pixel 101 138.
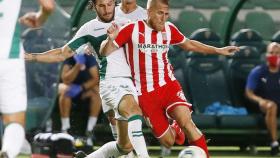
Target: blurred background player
pixel 148 42
pixel 80 80
pixel 94 32
pixel 263 88
pixel 130 10
pixel 13 99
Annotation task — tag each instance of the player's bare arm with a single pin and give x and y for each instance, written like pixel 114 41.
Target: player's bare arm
pixel 94 81
pixel 108 46
pixel 69 73
pixel 36 19
pixel 51 56
pixel 195 46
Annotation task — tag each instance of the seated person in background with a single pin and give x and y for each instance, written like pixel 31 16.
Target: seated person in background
pixel 80 80
pixel 263 87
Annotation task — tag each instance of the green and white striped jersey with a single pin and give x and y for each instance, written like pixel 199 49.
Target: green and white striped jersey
pixel 10 30
pixel 93 33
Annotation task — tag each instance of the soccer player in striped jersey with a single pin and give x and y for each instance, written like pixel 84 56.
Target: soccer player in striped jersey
pixel 160 95
pixel 116 87
pixel 13 94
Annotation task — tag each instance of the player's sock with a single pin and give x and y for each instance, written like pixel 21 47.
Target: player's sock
pixel 13 138
pixel 202 144
pixel 65 123
pixel 136 137
pixel 108 150
pixel 91 123
pixel 274 143
pixel 114 131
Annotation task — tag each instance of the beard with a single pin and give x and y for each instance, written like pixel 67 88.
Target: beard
pixel 104 19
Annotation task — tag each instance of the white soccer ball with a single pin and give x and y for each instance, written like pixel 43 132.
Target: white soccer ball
pixel 192 152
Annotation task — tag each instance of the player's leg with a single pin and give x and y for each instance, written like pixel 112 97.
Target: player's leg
pixel 156 119
pixel 182 115
pixel 179 109
pixel 115 148
pixel 112 122
pixel 14 132
pixel 13 104
pixel 95 107
pixel 65 104
pixel 107 106
pixel 129 108
pixel 271 124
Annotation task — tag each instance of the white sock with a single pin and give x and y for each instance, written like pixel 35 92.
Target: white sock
pixel 91 123
pixel 65 123
pixel 114 131
pixel 13 138
pixel 108 150
pixel 136 137
pixel 274 143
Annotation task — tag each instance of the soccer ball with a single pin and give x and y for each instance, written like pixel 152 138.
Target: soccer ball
pixel 192 152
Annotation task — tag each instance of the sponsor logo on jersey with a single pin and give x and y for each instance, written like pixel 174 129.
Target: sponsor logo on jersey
pixel 181 95
pixel 264 80
pixel 101 28
pixel 160 48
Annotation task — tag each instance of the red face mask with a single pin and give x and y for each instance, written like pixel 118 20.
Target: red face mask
pixel 273 60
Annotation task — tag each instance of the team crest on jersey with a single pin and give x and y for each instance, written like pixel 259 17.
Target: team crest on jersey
pixel 181 95
pixel 159 48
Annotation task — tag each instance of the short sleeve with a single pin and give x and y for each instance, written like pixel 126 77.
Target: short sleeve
pixel 252 80
pixel 79 39
pixel 69 61
pixel 176 36
pixel 91 61
pixel 124 35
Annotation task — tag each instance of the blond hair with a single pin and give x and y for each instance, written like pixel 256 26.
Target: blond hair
pixel 152 3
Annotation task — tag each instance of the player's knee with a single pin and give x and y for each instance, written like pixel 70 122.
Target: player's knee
pixel 126 147
pixel 129 106
pixel 272 110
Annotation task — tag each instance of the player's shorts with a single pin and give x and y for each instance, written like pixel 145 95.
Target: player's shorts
pixel 157 104
pixel 13 94
pixel 112 91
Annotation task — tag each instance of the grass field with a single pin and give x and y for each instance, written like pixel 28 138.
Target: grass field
pixel 216 152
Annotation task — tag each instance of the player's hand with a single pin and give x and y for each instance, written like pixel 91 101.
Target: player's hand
pixel 73 90
pixel 30 19
pixel 29 57
pixel 36 19
pixel 228 50
pixel 113 31
pixel 88 50
pixel 80 59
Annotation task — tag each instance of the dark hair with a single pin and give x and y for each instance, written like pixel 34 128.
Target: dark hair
pixel 91 4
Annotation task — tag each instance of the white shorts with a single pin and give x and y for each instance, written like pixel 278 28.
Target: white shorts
pixel 112 90
pixel 13 94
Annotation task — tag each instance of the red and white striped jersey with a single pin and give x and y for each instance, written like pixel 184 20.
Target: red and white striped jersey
pixel 146 53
